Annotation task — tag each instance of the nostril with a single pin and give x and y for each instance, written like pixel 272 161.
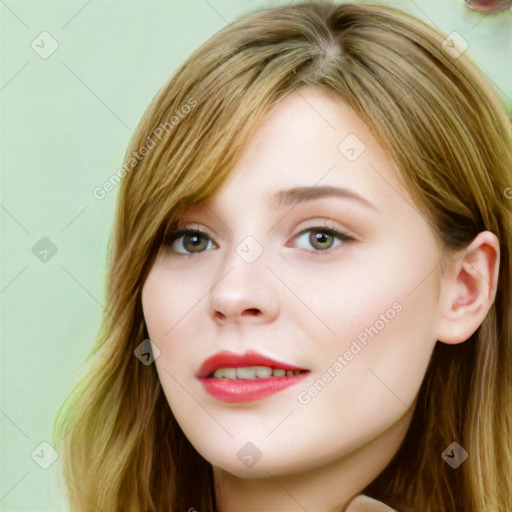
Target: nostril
pixel 251 312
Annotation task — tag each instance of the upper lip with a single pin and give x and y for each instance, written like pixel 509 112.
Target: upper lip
pixel 227 359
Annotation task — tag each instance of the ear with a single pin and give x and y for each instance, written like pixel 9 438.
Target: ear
pixel 468 289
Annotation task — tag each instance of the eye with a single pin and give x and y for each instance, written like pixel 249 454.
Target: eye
pixel 322 239
pixel 188 241
pixel 185 241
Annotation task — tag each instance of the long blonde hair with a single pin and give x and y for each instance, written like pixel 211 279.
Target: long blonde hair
pixel 451 139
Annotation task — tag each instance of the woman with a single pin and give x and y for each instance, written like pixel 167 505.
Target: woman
pixel 314 231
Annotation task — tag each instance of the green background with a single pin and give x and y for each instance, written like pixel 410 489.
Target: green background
pixel 65 124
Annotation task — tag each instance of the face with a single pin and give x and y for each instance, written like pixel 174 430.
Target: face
pixel 308 285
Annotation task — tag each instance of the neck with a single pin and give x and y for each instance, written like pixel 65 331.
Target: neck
pixel 324 489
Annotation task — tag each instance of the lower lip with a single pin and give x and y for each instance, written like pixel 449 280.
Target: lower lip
pixel 241 390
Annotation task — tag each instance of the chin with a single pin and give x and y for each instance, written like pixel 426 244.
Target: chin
pixel 259 470
pixel 263 468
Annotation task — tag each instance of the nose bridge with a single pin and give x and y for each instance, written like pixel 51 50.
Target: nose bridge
pixel 245 255
pixel 244 288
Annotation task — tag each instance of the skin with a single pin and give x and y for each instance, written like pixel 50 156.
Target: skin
pixel 300 306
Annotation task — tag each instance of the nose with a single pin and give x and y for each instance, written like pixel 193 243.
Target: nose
pixel 245 292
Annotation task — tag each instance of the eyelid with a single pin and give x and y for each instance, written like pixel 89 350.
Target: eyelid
pixel 327 224
pixel 178 226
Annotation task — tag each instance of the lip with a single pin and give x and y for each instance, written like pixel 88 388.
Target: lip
pixel 242 390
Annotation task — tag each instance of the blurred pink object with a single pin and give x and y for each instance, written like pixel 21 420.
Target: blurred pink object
pixel 489 6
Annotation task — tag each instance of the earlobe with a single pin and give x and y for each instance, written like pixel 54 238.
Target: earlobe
pixel 468 289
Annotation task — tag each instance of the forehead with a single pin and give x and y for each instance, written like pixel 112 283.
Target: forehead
pixel 310 140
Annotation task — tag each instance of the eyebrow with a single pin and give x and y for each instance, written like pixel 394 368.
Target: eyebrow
pixel 293 196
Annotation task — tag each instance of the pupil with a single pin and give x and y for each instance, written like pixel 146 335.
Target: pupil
pixel 194 240
pixel 321 238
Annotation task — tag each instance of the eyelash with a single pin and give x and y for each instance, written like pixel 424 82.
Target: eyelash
pixel 179 230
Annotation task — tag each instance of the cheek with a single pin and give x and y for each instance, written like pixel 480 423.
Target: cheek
pixel 362 389
pixel 174 305
pixel 379 316
pixel 371 294
pixel 372 367
pixel 167 301
pixel 167 304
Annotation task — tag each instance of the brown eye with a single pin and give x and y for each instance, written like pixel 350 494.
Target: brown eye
pixel 320 239
pixel 194 242
pixel 187 241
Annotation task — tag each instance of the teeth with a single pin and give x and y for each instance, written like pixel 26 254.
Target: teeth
pixel 229 373
pixel 253 372
pixel 246 373
pixel 262 372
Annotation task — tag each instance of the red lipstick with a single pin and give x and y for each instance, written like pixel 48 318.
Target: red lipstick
pixel 244 388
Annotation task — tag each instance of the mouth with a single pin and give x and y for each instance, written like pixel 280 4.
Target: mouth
pixel 231 377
